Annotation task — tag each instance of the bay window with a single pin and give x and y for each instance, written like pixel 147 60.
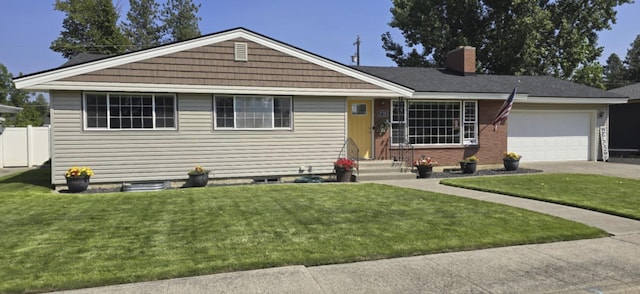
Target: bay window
pixel 434 122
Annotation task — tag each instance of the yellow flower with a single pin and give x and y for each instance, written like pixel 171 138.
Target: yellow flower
pixel 79 172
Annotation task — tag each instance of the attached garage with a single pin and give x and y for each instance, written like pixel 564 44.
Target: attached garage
pixel 551 135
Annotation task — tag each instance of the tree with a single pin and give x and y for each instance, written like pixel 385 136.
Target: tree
pixel 633 61
pixel 6 84
pixel 512 37
pixel 33 112
pixel 180 19
pixel 9 95
pixel 590 75
pixel 28 116
pixel 433 27
pixel 89 26
pixel 615 73
pixel 142 27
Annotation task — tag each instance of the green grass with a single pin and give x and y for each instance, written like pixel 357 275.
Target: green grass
pixel 56 241
pixel 617 196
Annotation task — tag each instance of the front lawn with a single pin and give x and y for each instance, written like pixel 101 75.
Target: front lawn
pixel 618 196
pixel 56 241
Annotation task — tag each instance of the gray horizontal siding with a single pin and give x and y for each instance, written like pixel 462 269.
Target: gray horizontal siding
pixel 138 155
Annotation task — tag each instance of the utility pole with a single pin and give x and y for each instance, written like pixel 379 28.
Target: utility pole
pixel 356 58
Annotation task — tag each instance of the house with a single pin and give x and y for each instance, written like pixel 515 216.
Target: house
pixel 248 106
pixel 625 121
pixel 7 109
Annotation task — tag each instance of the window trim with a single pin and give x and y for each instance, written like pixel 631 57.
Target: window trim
pixel 461 121
pixel 235 116
pixel 470 141
pixel 85 126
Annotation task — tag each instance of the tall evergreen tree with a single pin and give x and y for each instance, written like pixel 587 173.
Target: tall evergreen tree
pixel 142 26
pixel 633 61
pixel 615 73
pixel 180 19
pixel 512 37
pixel 89 26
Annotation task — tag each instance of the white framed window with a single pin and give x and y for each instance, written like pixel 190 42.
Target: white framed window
pixel 398 122
pixel 470 123
pixel 252 112
pixel 434 122
pixel 118 111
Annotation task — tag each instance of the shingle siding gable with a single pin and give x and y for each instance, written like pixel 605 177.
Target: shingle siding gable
pixel 215 65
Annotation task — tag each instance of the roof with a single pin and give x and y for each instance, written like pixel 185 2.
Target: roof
pixel 9 109
pixel 396 81
pixel 81 58
pixel 632 91
pixel 423 79
pixel 53 79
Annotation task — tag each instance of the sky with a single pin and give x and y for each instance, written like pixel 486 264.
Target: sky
pixel 327 27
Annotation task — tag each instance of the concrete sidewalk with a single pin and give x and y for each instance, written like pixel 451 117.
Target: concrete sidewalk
pixel 605 265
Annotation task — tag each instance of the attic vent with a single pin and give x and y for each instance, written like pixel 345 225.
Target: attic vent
pixel 242 53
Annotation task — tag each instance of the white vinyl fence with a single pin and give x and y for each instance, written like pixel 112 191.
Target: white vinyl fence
pixel 23 147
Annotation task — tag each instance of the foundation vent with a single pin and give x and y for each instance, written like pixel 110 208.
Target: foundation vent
pixel 241 52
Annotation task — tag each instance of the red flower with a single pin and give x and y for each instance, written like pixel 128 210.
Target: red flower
pixel 344 163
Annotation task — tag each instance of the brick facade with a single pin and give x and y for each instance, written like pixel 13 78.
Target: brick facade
pixel 492 144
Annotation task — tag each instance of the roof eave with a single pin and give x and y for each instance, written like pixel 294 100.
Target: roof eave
pixel 210 89
pixel 9 109
pixel 575 100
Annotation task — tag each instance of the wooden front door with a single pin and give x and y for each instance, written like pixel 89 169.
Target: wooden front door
pixel 359 120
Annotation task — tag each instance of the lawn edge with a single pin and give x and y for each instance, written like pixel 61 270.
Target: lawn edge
pixel 447 182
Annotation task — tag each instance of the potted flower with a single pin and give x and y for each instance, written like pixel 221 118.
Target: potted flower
pixel 424 166
pixel 198 177
pixel 469 164
pixel 511 160
pixel 344 168
pixel 78 179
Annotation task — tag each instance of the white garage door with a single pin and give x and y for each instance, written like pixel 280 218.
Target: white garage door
pixel 549 136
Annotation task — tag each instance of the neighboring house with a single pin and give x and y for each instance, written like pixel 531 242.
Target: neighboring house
pixel 247 106
pixel 625 122
pixel 7 109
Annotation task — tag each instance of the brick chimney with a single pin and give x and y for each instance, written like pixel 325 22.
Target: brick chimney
pixel 462 60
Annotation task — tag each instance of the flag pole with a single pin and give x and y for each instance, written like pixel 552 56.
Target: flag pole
pixel 505 109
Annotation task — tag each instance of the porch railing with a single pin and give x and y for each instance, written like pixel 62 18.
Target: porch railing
pixel 351 151
pixel 403 156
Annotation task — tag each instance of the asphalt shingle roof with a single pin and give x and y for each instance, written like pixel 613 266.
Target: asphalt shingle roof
pixel 632 91
pixel 422 79
pixel 83 58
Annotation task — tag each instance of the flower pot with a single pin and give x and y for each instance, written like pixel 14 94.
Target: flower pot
pixel 343 174
pixel 510 164
pixel 77 184
pixel 198 180
pixel 424 171
pixel 468 167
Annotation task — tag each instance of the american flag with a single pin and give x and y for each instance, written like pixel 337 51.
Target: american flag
pixel 503 113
